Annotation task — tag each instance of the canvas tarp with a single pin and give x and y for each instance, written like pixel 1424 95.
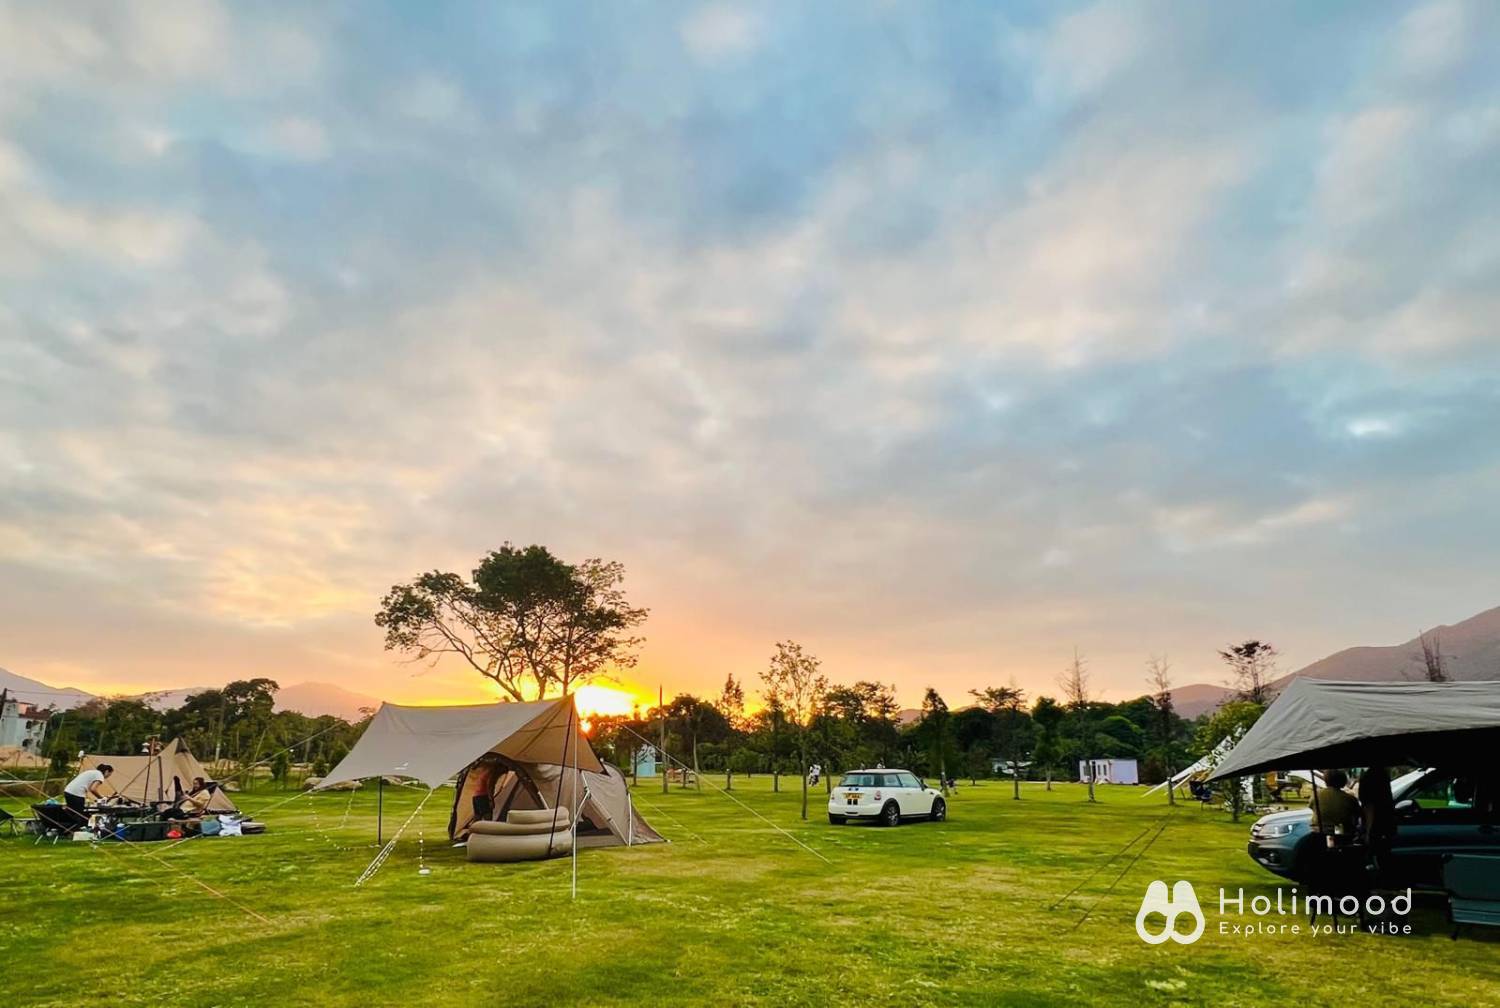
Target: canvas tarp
pixel 159 778
pixel 432 744
pixel 1319 723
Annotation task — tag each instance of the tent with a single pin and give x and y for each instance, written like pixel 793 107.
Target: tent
pixel 1203 764
pixel 159 778
pixel 507 757
pixel 1328 723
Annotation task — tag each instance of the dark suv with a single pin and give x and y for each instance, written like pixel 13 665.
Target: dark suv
pixel 1436 815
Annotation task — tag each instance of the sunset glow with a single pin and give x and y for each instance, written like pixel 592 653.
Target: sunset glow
pixel 594 700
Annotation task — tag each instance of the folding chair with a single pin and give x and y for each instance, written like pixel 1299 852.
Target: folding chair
pixel 8 821
pixel 57 821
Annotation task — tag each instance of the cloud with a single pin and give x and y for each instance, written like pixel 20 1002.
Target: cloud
pixel 942 342
pixel 718 31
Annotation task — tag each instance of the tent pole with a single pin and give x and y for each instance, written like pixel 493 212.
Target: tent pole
pixel 577 798
pixel 379 809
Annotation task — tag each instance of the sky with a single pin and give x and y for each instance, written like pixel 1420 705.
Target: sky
pixel 941 338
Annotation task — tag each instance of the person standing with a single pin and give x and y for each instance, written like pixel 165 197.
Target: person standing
pixel 83 787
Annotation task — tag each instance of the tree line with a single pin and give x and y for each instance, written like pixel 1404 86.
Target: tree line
pixel 231 730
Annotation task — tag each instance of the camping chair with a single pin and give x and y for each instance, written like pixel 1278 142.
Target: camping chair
pixel 1473 885
pixel 8 821
pixel 1337 872
pixel 57 821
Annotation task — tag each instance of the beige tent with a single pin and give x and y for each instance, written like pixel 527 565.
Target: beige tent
pixel 160 778
pixel 508 757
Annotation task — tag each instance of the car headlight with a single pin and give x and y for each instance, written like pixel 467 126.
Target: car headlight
pixel 1278 830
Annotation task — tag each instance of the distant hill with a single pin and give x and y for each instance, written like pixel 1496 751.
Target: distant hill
pixel 311 698
pixel 1470 649
pixel 39 694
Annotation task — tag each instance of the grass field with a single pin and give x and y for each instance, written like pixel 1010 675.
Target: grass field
pixel 731 912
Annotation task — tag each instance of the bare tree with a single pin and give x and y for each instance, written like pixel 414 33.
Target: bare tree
pixel 1159 676
pixel 793 678
pixel 1252 665
pixel 1074 683
pixel 1432 657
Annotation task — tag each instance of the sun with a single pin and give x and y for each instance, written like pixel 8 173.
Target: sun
pixel 594 700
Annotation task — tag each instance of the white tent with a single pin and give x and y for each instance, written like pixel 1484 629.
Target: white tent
pixel 1204 764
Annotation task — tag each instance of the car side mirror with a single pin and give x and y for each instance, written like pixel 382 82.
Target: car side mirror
pixel 1407 808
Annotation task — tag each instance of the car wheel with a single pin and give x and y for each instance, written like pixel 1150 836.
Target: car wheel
pixel 890 815
pixel 939 810
pixel 836 820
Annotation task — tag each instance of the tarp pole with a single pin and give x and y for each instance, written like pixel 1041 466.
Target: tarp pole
pixel 577 797
pixel 379 809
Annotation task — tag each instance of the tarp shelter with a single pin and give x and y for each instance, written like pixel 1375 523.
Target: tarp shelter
pixel 160 778
pixel 1319 723
pixel 506 756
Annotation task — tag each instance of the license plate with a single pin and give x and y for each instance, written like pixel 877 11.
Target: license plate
pixel 851 799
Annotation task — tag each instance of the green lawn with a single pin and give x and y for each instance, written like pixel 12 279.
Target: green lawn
pixel 731 912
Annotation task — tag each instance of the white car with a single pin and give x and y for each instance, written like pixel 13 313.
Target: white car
pixel 887 796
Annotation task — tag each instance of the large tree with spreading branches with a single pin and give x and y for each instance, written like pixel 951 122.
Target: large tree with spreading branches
pixel 529 622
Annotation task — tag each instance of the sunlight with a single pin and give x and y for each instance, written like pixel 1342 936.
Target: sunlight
pixel 606 700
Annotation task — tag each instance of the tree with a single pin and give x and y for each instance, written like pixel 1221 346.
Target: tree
pixel 1075 687
pixel 1159 677
pixel 1048 716
pixel 281 765
pixel 525 620
pixel 1231 721
pixel 793 678
pixel 731 705
pixel 1432 657
pixel 936 726
pixel 1014 730
pixel 699 720
pixel 1251 666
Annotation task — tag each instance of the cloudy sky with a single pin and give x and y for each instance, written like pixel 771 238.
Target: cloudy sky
pixel 942 338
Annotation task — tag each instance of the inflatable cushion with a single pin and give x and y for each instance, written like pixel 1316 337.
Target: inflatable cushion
pixel 486 848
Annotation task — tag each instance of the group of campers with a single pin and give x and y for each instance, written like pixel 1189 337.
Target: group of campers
pixel 161 794
pixel 1365 812
pixel 189 802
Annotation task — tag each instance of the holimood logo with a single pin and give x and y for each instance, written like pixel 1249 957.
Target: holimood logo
pixel 1182 902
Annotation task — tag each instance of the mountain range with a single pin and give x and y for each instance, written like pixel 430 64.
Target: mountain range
pixel 1470 650
pixel 310 698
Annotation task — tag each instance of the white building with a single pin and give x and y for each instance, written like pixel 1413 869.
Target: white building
pixel 21 725
pixel 1110 771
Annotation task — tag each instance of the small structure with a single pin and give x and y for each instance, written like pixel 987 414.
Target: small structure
pixel 645 761
pixel 22 726
pixel 1110 771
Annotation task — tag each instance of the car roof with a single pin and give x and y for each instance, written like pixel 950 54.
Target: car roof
pixel 881 769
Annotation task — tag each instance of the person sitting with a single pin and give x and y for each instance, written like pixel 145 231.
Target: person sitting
pixel 83 787
pixel 193 803
pixel 1335 811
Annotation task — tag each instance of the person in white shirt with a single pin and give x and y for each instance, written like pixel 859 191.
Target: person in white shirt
pixel 85 786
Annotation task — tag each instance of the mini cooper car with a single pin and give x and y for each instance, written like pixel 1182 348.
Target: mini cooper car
pixel 886 796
